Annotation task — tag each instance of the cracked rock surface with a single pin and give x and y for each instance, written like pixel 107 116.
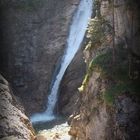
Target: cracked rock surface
pixel 14 124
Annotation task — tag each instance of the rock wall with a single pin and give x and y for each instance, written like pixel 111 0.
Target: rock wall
pixel 14 124
pixel 68 96
pixel 126 21
pixel 96 120
pixel 109 94
pixel 33 37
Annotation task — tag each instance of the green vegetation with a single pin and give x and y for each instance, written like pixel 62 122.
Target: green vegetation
pixel 118 70
pixel 97 32
pixel 118 73
pixel 112 92
pixel 114 65
pixel 98 29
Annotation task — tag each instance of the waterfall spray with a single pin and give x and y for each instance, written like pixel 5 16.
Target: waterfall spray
pixel 75 38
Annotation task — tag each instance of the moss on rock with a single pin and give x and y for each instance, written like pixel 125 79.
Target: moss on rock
pixel 118 72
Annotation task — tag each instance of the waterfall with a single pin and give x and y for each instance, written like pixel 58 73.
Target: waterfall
pixel 75 38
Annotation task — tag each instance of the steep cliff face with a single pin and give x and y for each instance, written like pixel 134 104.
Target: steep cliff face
pixel 14 124
pixel 126 21
pixel 109 108
pixel 109 100
pixel 68 96
pixel 33 37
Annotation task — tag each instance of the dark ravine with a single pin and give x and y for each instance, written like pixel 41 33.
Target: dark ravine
pixel 32 40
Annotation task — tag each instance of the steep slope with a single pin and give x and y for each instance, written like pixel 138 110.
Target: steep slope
pixel 109 100
pixel 14 124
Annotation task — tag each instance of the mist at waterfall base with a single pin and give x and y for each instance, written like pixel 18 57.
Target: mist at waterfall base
pixel 76 34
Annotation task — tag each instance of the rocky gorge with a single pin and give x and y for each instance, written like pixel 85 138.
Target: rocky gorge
pixel 109 100
pixel 33 38
pixel 106 105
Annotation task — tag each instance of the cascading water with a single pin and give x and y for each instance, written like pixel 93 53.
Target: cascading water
pixel 76 35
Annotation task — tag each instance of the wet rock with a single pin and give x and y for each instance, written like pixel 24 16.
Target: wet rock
pixel 41 137
pixel 58 132
pixel 73 77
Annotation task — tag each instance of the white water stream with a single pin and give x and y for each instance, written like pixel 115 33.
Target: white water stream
pixel 75 38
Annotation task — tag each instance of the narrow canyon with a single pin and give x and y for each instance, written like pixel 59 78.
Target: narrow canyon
pixel 69 70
